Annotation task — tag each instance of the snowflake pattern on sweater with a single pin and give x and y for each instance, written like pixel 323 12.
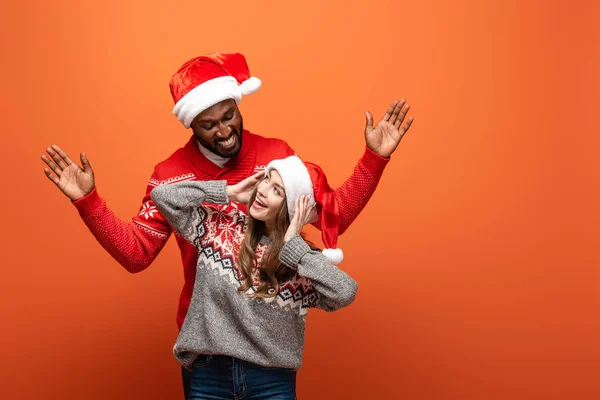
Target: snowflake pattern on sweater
pixel 135 243
pixel 219 234
pixel 220 318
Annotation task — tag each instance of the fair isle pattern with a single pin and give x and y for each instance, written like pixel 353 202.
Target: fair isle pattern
pixel 150 230
pixel 219 234
pixel 295 293
pixel 185 177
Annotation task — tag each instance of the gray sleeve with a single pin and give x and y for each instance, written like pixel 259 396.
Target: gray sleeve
pixel 181 203
pixel 335 288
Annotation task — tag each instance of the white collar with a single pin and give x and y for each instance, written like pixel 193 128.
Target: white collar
pixel 214 158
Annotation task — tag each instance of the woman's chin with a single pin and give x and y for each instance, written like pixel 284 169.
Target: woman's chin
pixel 256 215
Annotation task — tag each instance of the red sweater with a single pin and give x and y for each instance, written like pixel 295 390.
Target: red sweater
pixel 136 244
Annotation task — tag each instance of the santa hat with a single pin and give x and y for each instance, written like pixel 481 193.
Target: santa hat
pixel 305 178
pixel 207 80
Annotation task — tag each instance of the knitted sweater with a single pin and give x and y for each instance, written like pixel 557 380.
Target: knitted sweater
pixel 135 244
pixel 222 320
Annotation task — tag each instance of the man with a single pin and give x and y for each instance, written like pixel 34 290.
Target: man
pixel 206 91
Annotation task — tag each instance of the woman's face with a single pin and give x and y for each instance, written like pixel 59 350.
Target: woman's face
pixel 270 194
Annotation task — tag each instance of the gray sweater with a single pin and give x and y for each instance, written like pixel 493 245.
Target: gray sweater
pixel 222 320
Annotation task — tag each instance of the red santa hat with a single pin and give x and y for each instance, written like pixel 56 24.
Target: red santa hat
pixel 305 178
pixel 207 80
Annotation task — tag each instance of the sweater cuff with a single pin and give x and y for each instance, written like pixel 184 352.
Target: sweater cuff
pixel 374 162
pixel 293 251
pixel 216 192
pixel 88 204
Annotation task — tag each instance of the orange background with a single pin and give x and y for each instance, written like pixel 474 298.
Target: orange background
pixel 477 257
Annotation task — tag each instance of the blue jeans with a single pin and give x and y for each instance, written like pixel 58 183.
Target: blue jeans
pixel 186 377
pixel 226 378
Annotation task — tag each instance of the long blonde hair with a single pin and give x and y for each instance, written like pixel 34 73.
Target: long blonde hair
pixel 272 271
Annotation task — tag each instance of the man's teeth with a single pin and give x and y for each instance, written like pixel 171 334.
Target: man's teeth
pixel 228 142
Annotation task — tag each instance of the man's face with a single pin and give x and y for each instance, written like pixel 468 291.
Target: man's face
pixel 219 128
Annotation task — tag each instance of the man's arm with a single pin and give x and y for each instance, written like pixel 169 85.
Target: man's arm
pixel 133 244
pixel 354 194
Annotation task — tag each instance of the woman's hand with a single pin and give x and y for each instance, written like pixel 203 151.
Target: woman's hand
pixel 302 216
pixel 241 192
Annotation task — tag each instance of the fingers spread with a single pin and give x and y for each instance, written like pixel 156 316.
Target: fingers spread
pixel 369 123
pixel 406 126
pixel 57 158
pixel 87 167
pixel 397 108
pixel 396 114
pixel 52 165
pixel 63 154
pixel 389 111
pixel 401 115
pixel 50 176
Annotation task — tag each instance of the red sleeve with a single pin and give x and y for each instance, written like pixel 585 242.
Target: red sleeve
pixel 354 194
pixel 133 244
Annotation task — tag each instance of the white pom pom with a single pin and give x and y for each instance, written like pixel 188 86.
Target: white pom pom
pixel 250 85
pixel 336 256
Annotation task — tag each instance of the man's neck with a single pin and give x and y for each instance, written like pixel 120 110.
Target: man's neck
pixel 214 158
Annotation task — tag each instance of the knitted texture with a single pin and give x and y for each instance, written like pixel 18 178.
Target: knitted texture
pixel 221 320
pixel 136 243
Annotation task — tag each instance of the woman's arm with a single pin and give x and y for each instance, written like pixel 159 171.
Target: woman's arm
pixel 181 204
pixel 335 288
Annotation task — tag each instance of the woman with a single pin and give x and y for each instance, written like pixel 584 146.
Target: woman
pixel 256 277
